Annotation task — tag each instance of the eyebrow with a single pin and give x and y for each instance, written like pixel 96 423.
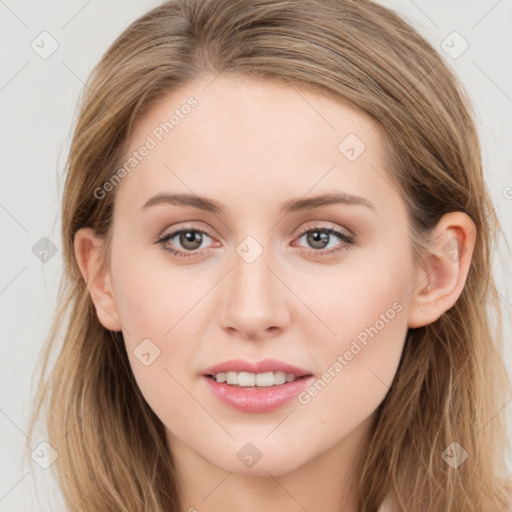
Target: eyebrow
pixel 290 206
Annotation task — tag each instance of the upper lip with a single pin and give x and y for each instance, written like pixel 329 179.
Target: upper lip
pixel 266 365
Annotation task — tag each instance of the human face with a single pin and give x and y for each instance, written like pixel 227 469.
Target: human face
pixel 255 285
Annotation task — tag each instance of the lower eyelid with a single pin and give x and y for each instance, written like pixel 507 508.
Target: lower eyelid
pixel 344 244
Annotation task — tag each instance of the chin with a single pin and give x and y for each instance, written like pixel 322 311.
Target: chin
pixel 258 458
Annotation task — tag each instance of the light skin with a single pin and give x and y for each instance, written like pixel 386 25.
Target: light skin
pixel 253 145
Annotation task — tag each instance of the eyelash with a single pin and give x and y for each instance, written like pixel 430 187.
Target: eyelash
pixel 347 239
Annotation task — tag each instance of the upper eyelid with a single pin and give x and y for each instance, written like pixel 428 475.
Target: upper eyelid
pixel 347 234
pixel 327 226
pixel 305 229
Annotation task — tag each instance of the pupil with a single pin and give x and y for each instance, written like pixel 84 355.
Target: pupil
pixel 318 237
pixel 190 237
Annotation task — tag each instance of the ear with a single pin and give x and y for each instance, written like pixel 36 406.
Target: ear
pixel 88 253
pixel 442 278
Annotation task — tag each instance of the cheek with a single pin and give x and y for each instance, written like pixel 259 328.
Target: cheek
pixel 361 299
pixel 365 312
pixel 158 311
pixel 149 296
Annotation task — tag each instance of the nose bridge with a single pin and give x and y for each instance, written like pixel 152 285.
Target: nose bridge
pixel 252 302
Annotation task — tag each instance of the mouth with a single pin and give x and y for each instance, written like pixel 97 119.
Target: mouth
pixel 255 374
pixel 255 380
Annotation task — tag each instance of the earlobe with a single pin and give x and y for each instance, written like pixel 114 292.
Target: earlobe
pixel 441 280
pixel 88 252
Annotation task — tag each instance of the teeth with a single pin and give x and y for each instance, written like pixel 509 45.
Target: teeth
pixel 246 379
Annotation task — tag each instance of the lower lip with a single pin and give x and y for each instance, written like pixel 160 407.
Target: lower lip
pixel 257 399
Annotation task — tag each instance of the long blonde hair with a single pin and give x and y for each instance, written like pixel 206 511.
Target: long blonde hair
pixel 451 381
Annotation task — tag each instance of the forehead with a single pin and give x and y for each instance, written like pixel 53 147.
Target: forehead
pixel 252 138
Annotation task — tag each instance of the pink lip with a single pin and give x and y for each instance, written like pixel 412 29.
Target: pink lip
pixel 257 399
pixel 266 365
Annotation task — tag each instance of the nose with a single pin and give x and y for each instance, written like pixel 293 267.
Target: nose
pixel 252 300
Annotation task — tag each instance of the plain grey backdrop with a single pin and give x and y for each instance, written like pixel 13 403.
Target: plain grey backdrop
pixel 48 51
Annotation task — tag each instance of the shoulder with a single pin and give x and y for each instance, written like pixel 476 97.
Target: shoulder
pixel 386 505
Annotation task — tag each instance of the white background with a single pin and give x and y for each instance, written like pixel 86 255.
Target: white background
pixel 38 104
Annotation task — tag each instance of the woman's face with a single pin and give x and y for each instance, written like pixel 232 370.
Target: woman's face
pixel 260 276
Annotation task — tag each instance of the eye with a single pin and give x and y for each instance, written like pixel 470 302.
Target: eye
pixel 319 237
pixel 190 239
